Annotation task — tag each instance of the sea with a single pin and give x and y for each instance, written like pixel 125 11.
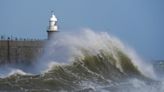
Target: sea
pixel 84 61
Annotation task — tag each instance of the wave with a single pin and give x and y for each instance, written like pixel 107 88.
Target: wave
pixel 89 61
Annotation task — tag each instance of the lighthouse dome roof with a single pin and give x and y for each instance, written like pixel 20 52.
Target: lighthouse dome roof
pixel 53 18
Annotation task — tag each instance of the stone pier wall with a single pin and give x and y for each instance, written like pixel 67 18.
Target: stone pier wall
pixel 20 51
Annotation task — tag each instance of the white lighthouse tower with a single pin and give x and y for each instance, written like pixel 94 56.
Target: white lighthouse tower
pixel 52 28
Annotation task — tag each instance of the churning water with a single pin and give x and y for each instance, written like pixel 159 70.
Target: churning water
pixel 84 62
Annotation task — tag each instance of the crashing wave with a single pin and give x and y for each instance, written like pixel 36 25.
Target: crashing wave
pixel 89 61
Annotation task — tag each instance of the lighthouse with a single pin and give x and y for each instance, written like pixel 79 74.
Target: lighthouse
pixel 52 28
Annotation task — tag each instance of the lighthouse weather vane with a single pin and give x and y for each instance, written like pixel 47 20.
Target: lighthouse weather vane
pixel 52 12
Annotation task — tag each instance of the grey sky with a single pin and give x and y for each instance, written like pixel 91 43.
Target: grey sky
pixel 139 23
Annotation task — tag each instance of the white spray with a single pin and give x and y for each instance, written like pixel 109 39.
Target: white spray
pixel 66 45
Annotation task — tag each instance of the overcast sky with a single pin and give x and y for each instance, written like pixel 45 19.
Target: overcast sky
pixel 139 23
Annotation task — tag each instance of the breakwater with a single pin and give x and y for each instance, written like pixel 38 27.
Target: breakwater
pixel 20 50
